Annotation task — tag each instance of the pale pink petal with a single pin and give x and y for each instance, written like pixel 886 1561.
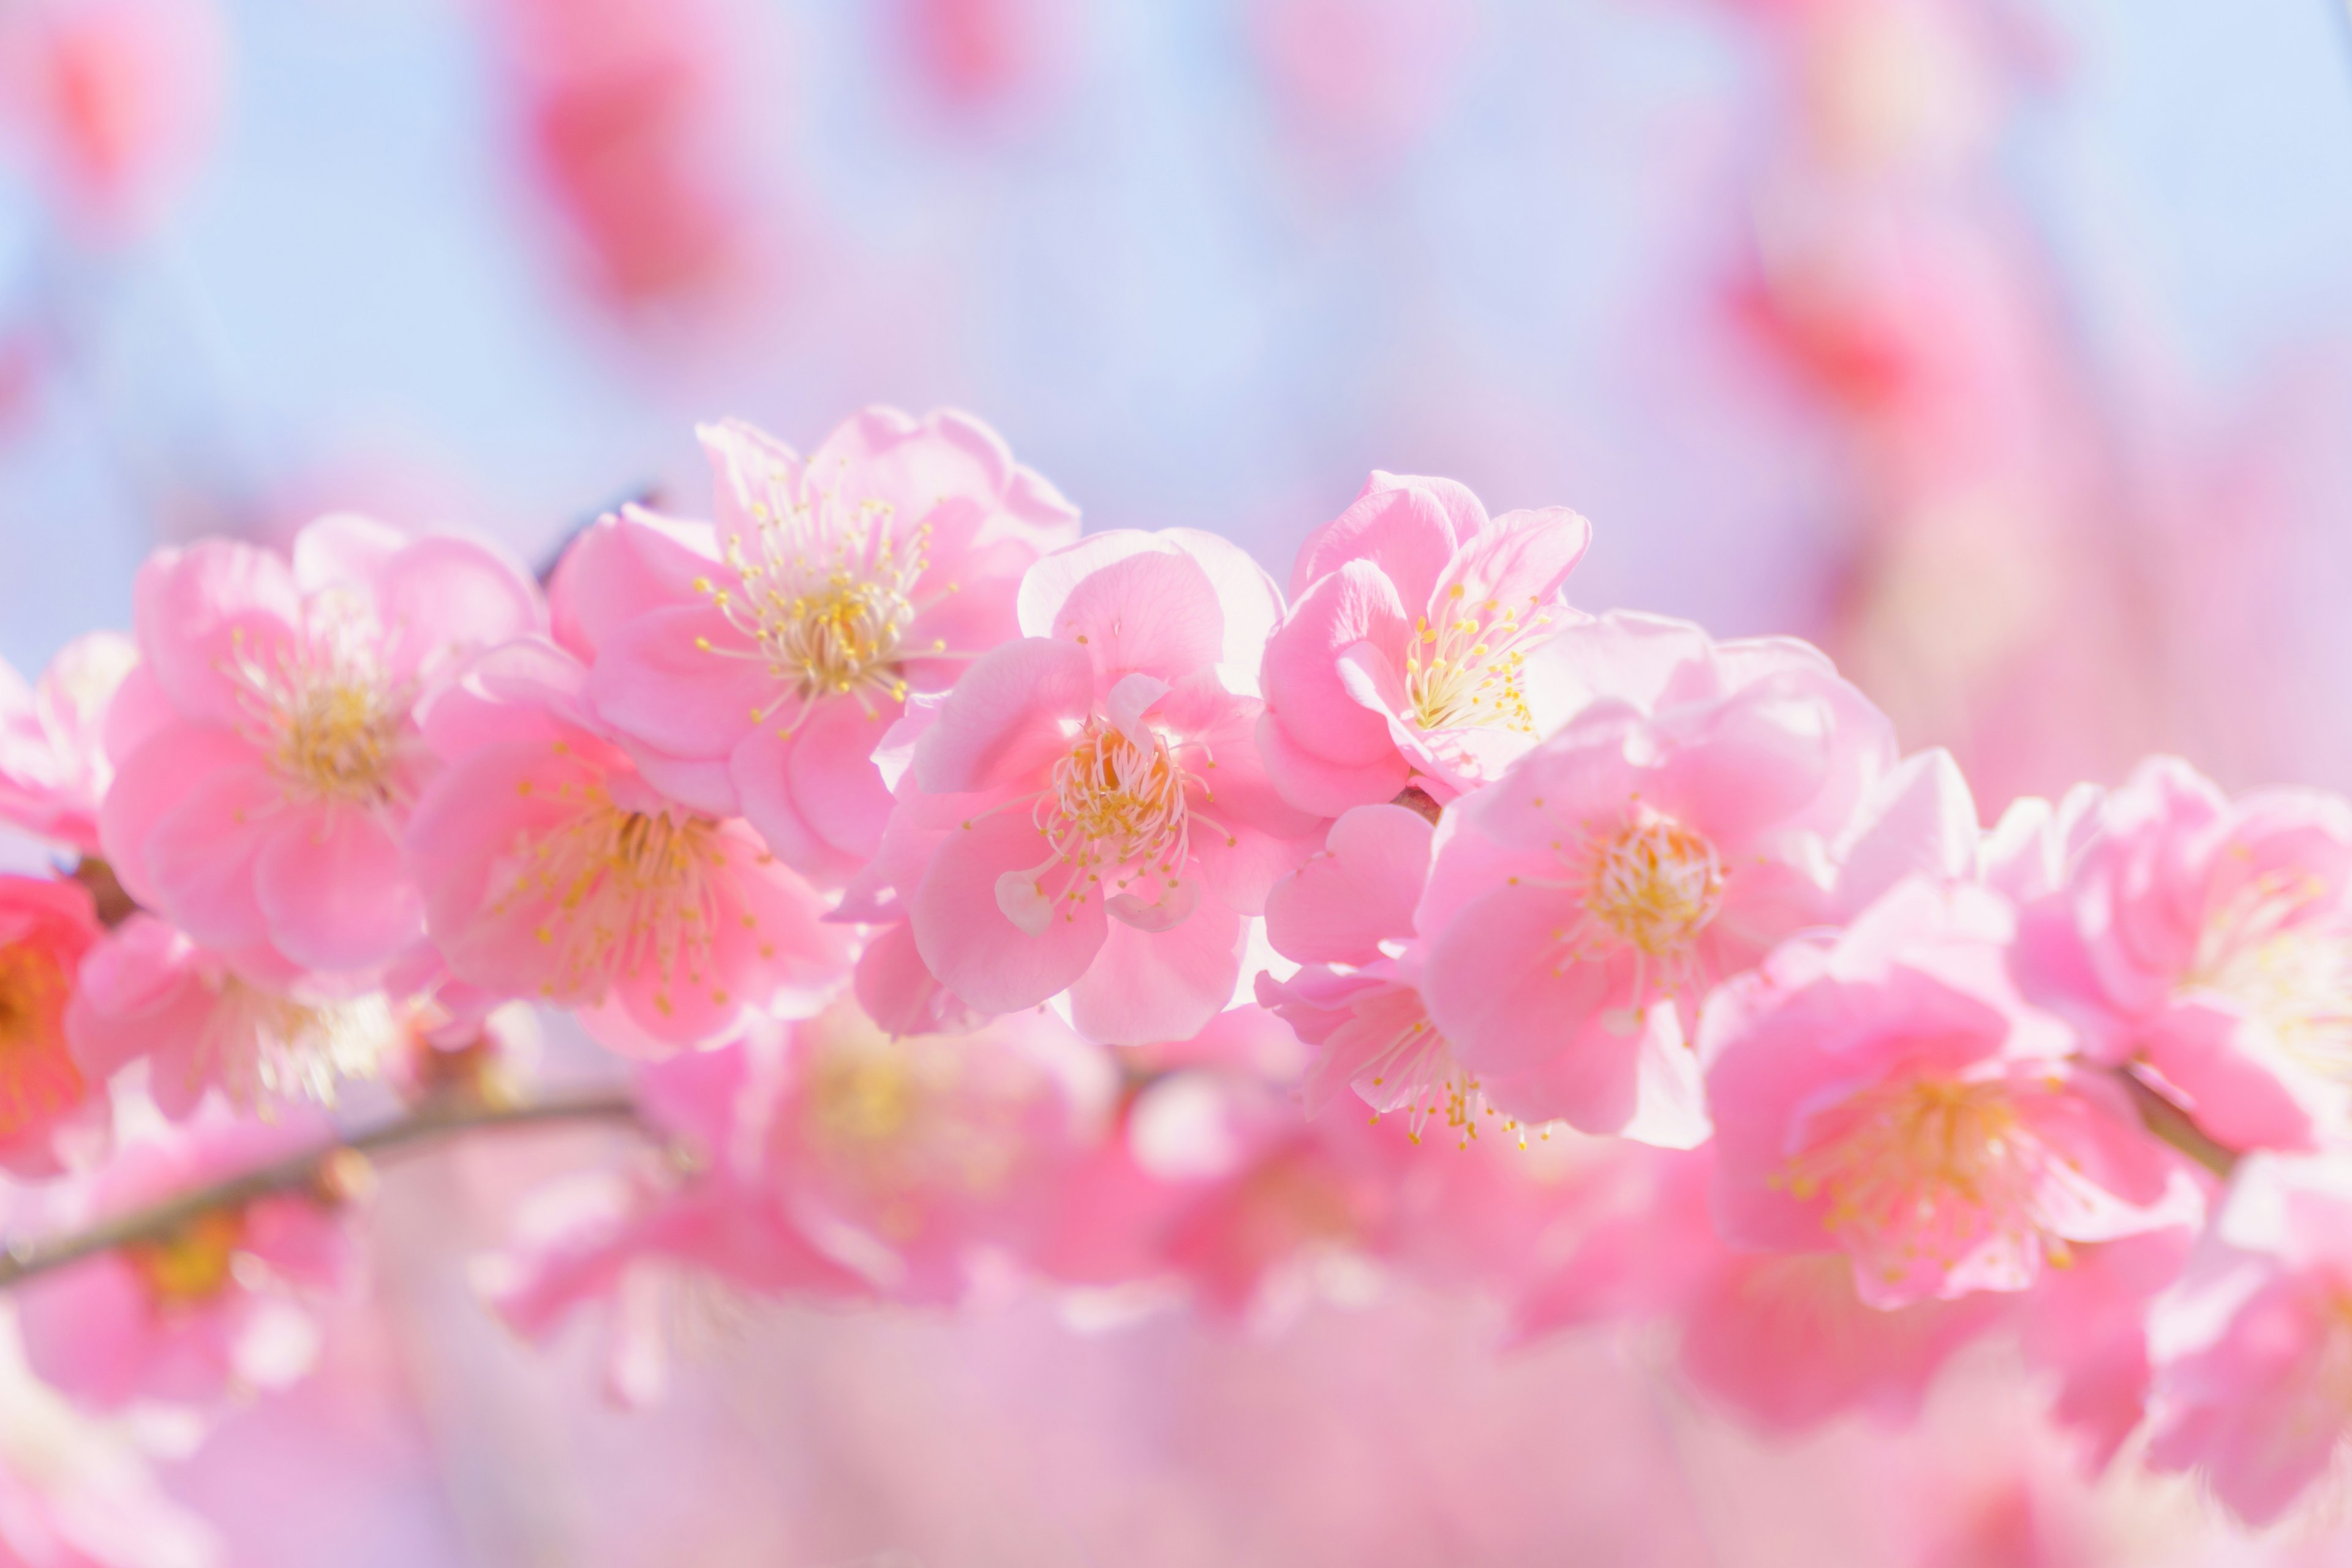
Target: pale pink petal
pixel 1154 611
pixel 1519 562
pixel 1358 892
pixel 1301 673
pixel 754 477
pixel 344 550
pixel 200 609
pixel 622 567
pixel 1160 986
pixel 331 884
pixel 901 994
pixel 443 597
pixel 1324 788
pixel 1500 986
pixel 966 940
pixel 1015 710
pixel 200 854
pixel 1407 526
pixel 687 683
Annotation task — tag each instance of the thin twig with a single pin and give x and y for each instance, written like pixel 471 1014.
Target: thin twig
pixel 2169 1122
pixel 307 1170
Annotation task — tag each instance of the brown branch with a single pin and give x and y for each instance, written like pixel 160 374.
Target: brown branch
pixel 2168 1122
pixel 313 1170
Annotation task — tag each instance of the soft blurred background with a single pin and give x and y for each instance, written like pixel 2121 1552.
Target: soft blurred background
pixel 2003 346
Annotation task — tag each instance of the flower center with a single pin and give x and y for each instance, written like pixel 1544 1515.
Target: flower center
pixel 894 1119
pixel 1115 802
pixel 1470 669
pixel 1415 1073
pixel 825 592
pixel 330 722
pixel 1925 1164
pixel 266 1044
pixel 2264 951
pixel 37 1076
pixel 1656 884
pixel 623 892
pixel 192 1263
pixel 860 1097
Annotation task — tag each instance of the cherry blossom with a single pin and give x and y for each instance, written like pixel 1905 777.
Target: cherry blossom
pixel 261 805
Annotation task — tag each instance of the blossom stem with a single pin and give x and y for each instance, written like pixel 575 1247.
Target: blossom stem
pixel 330 1172
pixel 2170 1123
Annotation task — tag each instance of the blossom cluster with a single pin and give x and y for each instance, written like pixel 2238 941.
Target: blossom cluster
pixel 978 907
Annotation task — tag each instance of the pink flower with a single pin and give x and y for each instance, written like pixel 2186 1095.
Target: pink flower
pixel 552 870
pixel 2088 1322
pixel 2253 1347
pixel 221 1301
pixel 1347 914
pixel 119 97
pixel 837 1160
pixel 1414 649
pixel 50 1116
pixel 1783 1339
pixel 1086 812
pixel 620 1234
pixel 1661 842
pixel 75 1491
pixel 53 768
pixel 633 113
pixel 147 991
pixel 757 669
pixel 2211 941
pixel 261 810
pixel 1886 1093
pixel 936 1151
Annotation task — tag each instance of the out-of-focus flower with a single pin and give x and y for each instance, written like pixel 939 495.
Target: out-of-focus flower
pixel 1087 813
pixel 833 588
pixel 53 768
pixel 223 1300
pixel 1886 1093
pixel 2253 1347
pixel 1361 79
pixel 119 100
pixel 1416 647
pixel 1783 1339
pixel 74 1493
pixel 2210 940
pixel 552 870
pixel 975 56
pixel 51 1116
pixel 2088 1324
pixel 261 809
pixel 836 1160
pixel 946 1149
pixel 1662 841
pixel 147 992
pixel 632 112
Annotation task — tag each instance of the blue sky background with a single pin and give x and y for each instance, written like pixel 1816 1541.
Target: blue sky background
pixel 1152 291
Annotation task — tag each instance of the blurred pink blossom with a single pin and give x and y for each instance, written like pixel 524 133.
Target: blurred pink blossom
pixel 51 1115
pixel 1886 1093
pixel 2253 1347
pixel 119 100
pixel 54 767
pixel 224 1301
